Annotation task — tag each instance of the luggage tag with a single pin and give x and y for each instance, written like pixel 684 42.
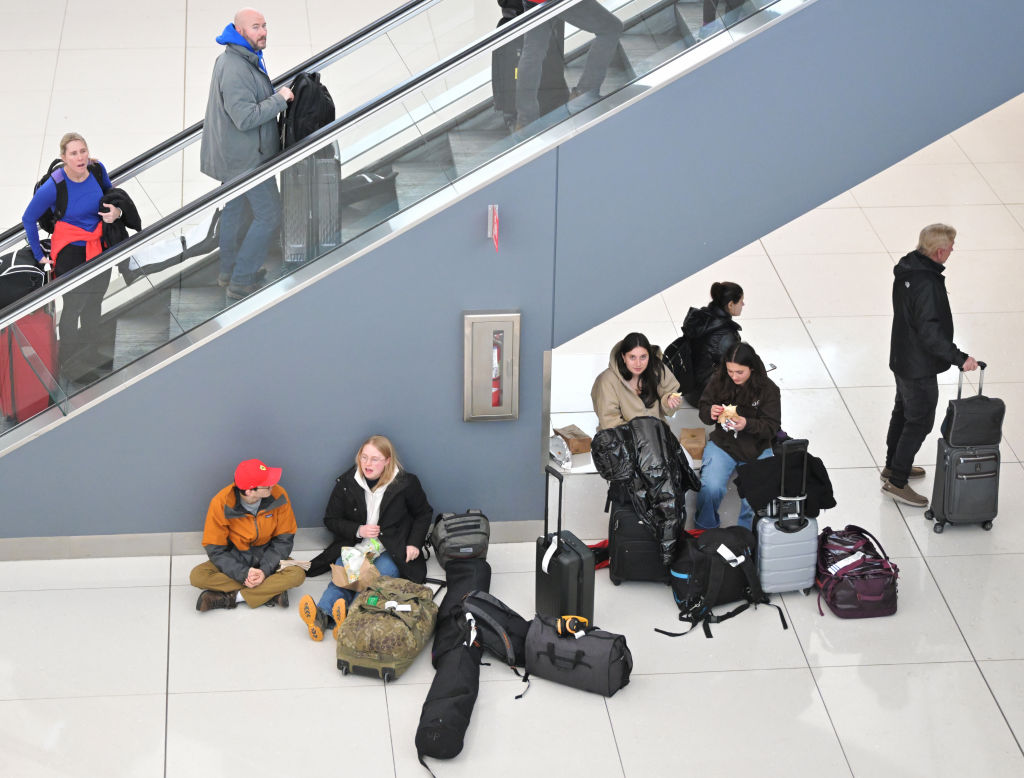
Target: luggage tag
pixel 394 606
pixel 728 556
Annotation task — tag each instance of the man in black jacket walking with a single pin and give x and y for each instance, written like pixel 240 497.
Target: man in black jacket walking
pixel 920 348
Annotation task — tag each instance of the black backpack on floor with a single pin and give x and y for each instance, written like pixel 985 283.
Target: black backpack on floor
pixel 716 567
pixel 499 630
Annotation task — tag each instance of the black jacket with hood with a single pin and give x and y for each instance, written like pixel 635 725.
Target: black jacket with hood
pixel 921 344
pixel 646 467
pixel 404 521
pixel 711 333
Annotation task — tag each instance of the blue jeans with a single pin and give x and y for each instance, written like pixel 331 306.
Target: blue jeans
pixel 384 564
pixel 716 469
pixel 241 256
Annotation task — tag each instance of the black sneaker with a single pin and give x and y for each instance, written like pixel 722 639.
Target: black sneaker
pixel 210 600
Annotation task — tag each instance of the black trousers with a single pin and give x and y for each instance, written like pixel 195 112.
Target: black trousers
pixel 78 329
pixel 913 416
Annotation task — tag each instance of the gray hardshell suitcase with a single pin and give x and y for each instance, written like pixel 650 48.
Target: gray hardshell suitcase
pixel 787 541
pixel 311 210
pixel 966 487
pixel 565 568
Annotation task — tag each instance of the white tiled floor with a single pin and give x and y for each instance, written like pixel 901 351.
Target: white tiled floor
pixel 107 669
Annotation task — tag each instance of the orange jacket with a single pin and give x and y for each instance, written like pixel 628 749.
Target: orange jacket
pixel 236 540
pixel 66 233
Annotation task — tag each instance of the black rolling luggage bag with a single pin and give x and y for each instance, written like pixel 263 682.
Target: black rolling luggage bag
pixel 565 567
pixel 633 548
pixel 966 487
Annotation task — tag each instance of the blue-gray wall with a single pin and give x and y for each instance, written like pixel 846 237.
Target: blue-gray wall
pixel 744 144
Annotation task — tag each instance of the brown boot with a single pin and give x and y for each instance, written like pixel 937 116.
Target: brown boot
pixel 315 619
pixel 210 600
pixel 915 472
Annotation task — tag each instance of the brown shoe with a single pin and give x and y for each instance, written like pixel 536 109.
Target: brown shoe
pixel 210 600
pixel 278 599
pixel 904 494
pixel 338 613
pixel 915 472
pixel 315 619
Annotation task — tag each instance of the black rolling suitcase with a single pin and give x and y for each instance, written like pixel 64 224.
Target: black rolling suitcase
pixel 565 567
pixel 966 487
pixel 633 549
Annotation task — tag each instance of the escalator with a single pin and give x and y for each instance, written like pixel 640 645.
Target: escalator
pixel 428 133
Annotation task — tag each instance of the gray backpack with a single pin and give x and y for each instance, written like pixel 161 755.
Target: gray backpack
pixel 460 536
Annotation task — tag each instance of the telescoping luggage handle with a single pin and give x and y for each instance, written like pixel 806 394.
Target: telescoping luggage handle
pixel 791 447
pixel 549 470
pixel 981 380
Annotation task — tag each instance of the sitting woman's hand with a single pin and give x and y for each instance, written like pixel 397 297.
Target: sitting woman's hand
pixel 368 531
pixel 674 401
pixel 411 553
pixel 738 423
pixel 716 411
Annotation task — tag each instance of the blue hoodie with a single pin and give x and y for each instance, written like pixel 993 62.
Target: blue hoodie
pixel 231 35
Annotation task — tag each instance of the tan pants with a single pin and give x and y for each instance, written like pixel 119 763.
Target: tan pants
pixel 207 576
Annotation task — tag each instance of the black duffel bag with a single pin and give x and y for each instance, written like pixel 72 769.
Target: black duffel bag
pixel 598 662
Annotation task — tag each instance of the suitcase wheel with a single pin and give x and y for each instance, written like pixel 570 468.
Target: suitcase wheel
pixel 343 666
pixel 939 526
pixel 987 525
pixel 929 515
pixel 614 580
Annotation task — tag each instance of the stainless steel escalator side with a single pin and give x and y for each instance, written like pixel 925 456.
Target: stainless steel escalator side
pixel 171 300
pixel 179 141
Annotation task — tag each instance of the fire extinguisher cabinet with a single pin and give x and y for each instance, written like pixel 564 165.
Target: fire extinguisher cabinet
pixel 491 365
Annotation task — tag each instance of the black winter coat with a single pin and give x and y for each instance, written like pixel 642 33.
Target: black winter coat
pixel 921 344
pixel 646 467
pixel 116 231
pixel 404 520
pixel 711 332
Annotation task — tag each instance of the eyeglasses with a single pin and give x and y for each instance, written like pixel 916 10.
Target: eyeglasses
pixel 365 460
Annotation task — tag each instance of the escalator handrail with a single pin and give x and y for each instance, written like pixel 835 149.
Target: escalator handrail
pixel 176 142
pixel 285 158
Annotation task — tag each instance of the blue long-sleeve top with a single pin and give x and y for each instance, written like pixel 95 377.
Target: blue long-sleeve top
pixel 83 206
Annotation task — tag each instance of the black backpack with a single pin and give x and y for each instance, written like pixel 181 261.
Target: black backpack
pixel 716 567
pixel 48 221
pixel 499 629
pixel 678 358
pixel 311 109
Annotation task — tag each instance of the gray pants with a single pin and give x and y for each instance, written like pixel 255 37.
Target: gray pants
pixel 589 15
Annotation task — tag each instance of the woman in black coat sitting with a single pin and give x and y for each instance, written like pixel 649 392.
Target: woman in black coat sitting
pixel 374 499
pixel 711 332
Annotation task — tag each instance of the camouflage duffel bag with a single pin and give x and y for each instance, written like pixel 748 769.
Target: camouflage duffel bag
pixel 387 625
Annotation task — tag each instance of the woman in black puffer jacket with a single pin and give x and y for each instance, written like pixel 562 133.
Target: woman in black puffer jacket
pixel 711 332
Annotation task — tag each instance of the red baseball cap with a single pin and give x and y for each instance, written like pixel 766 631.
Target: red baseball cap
pixel 252 474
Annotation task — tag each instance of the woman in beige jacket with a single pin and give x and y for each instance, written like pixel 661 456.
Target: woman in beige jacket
pixel 636 383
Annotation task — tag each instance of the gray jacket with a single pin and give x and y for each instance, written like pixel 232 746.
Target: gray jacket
pixel 240 131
